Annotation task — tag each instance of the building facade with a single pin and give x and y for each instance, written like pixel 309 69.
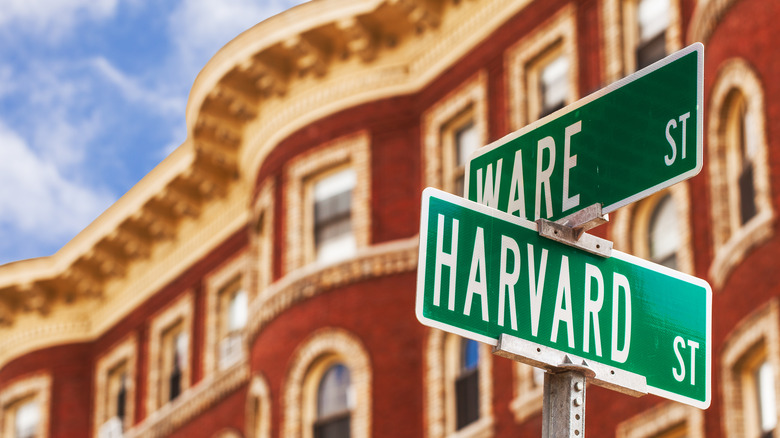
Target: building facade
pixel 260 282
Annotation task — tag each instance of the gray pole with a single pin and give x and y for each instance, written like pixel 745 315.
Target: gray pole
pixel 563 410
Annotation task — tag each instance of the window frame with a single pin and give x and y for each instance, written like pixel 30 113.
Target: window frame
pixel 664 420
pixel 258 408
pixel 442 365
pixel 309 362
pixel 731 246
pixel 126 351
pixel 178 312
pixel 528 393
pixel 754 339
pixel 229 276
pixel 301 172
pixel 35 387
pixel 525 59
pixel 261 242
pixel 465 104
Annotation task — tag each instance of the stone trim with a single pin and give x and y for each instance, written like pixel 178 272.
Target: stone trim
pixel 630 226
pixel 438 145
pixel 757 334
pixel 732 242
pixel 706 16
pixel 557 33
pixel 178 312
pixel 353 151
pixel 528 392
pixel 619 40
pixel 198 399
pixel 258 408
pixel 442 358
pixel 327 344
pixel 37 386
pixel 261 242
pixel 216 282
pixel 664 418
pixel 371 262
pixel 126 351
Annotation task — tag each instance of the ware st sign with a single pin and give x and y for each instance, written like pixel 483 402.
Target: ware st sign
pixel 483 273
pixel 616 146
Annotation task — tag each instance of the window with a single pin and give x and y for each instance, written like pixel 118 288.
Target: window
pixel 333 236
pixel 739 175
pixel 327 202
pixel 664 233
pixel 227 304
pixel 453 128
pixel 652 21
pixel 542 70
pixel 751 360
pixel 24 407
pixel 333 403
pixel 261 240
pixel 467 384
pixel 328 389
pixel 529 390
pixel 657 228
pixel 665 420
pixel 115 389
pixel 258 409
pixel 170 353
pixel 637 33
pixel 458 387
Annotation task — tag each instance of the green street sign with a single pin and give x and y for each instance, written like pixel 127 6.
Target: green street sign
pixel 616 146
pixel 483 273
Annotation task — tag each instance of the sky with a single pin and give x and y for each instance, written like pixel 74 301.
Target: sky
pixel 92 97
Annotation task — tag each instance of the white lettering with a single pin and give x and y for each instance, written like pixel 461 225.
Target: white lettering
pixel 475 286
pixel 669 160
pixel 683 120
pixel 592 308
pixel 563 299
pixel 694 346
pixel 620 282
pixel 516 189
pixel 536 288
pixel 489 196
pixel 543 176
pixel 569 161
pixel 507 281
pixel 445 259
pixel 681 375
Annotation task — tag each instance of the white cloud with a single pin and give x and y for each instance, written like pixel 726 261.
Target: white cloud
pixel 133 91
pixel 36 200
pixel 53 18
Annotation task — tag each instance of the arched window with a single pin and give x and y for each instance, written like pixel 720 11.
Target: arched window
pixel 333 403
pixel 664 233
pixel 739 175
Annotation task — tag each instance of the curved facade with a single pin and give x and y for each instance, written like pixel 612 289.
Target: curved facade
pixel 260 281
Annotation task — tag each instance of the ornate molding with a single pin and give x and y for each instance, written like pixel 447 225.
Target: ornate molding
pixel 372 262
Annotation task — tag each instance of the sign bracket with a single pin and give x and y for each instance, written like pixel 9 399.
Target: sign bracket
pixel 571 230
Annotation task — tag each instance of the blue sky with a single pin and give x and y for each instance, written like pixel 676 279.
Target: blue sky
pixel 92 97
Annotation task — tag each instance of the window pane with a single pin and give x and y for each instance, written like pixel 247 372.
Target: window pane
pixel 26 420
pixel 467 398
pixel 664 233
pixel 466 142
pixel 765 379
pixel 653 18
pixel 469 355
pixel 333 392
pixel 554 85
pixel 333 236
pixel 237 312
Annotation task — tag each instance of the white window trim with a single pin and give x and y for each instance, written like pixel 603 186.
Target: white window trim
pixel 125 351
pixel 441 363
pixel 327 344
pixel 528 394
pixel 630 226
pixel 760 329
pixel 258 408
pixel 438 147
pixel 37 386
pixel 215 284
pixel 261 242
pixel 352 150
pixel 731 246
pixel 558 33
pixel 181 310
pixel 662 418
pixel 619 47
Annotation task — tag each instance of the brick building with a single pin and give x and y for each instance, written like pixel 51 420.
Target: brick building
pixel 260 281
